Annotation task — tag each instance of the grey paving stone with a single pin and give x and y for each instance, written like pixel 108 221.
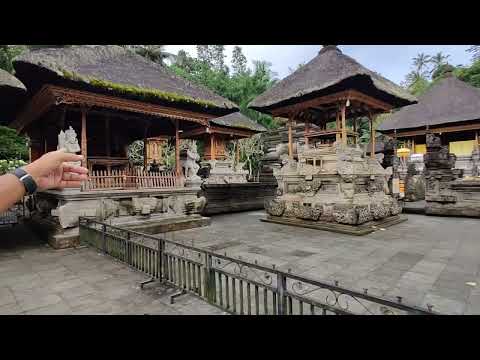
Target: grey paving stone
pixel 60 308
pixel 10 309
pixel 6 296
pixel 445 305
pixel 38 302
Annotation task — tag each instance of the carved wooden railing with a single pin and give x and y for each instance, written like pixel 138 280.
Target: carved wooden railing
pixel 131 179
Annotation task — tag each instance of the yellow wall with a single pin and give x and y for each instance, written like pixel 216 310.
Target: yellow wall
pixel 420 148
pixel 460 148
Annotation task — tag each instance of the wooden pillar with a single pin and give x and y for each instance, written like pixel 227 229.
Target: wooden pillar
pixel 212 147
pixel 290 139
pixel 84 137
pixel 344 124
pixel 337 126
pixel 237 152
pixel 355 138
pixel 177 148
pixel 145 152
pixel 306 132
pixel 372 137
pixel 477 140
pixel 108 149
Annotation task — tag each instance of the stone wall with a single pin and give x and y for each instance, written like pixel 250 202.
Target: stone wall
pixel 226 198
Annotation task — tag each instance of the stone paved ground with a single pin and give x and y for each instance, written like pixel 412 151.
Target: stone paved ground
pixel 35 279
pixel 425 260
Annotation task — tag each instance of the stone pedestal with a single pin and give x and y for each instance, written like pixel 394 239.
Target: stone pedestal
pixel 58 211
pixel 334 185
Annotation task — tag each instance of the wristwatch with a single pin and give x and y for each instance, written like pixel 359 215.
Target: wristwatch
pixel 27 180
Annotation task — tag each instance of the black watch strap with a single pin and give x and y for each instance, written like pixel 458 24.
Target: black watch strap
pixel 27 180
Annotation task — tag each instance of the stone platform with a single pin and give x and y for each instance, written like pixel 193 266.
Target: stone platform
pixel 358 230
pixel 226 198
pixel 148 210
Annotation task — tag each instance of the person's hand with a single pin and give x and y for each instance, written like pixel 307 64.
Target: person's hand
pixel 51 171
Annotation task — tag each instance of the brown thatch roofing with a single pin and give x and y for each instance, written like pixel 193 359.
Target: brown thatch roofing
pixel 448 101
pixel 239 121
pixel 117 71
pixel 12 96
pixel 329 72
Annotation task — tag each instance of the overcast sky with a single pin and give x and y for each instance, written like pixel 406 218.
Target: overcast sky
pixel 392 61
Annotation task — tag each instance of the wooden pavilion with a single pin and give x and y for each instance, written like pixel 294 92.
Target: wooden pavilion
pixel 110 97
pixel 331 88
pixel 451 109
pixel 222 129
pixel 328 187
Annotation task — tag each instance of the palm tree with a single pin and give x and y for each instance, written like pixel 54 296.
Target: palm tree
pixel 475 51
pixel 420 62
pixel 438 61
pixel 155 53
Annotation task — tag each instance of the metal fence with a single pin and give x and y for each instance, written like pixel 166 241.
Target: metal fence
pixel 235 285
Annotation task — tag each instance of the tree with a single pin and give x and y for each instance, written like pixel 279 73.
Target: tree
pixel 471 74
pixel 239 61
pixel 7 53
pixel 475 51
pixel 420 62
pixel 251 151
pixel 13 146
pixel 438 61
pixel 241 87
pixel 155 53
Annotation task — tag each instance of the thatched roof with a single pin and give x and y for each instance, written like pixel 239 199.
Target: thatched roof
pixel 448 101
pixel 329 72
pixel 114 70
pixel 239 121
pixel 12 95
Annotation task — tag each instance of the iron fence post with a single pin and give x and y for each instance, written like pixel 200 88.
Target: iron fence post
pixel 281 289
pixel 161 251
pixel 104 240
pixel 210 287
pixel 128 255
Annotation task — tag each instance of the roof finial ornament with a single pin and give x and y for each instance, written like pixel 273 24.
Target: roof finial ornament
pixel 326 48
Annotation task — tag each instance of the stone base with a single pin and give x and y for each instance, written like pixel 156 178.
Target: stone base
pixel 452 209
pixel 359 230
pixel 227 198
pixel 163 225
pixel 59 238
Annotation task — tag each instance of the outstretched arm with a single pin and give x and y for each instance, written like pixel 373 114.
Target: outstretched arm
pixel 49 172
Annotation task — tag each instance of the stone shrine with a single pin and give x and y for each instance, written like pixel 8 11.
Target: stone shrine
pixel 447 192
pixel 333 185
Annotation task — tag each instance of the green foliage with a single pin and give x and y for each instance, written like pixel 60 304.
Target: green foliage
pixel 475 51
pixel 241 87
pixel 12 146
pixel 7 166
pixel 7 53
pixel 470 74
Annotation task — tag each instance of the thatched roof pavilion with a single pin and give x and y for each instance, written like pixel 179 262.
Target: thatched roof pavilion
pixel 330 87
pixel 126 97
pixel 115 70
pixel 233 126
pixel 12 95
pixel 450 106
